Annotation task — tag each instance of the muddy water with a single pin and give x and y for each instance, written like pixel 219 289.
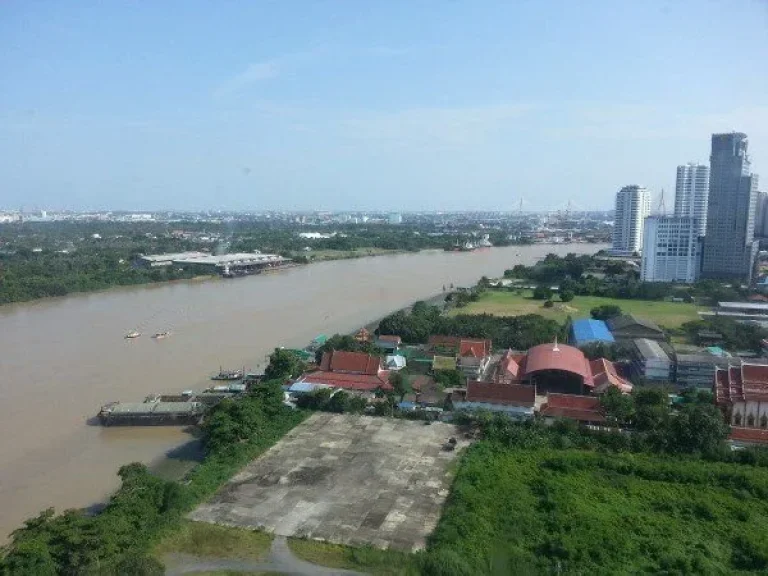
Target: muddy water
pixel 61 359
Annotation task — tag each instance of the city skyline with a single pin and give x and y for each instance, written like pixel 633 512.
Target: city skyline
pixel 387 107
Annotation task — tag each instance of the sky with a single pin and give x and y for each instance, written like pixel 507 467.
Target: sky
pixel 376 105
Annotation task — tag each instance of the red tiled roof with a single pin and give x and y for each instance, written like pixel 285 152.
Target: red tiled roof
pixel 558 357
pixel 747 383
pixel 604 376
pixel 350 362
pixel 575 407
pixel 475 348
pixel 363 382
pixel 508 394
pixel 388 338
pixel 753 435
pixel 509 363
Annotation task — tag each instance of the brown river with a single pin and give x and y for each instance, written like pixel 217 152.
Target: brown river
pixel 61 359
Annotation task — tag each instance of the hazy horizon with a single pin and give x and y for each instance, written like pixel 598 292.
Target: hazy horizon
pixel 394 106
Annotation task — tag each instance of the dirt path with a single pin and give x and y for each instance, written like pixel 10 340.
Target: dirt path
pixel 280 559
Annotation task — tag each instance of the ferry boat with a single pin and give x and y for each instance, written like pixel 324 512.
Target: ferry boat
pixel 160 335
pixel 132 335
pixel 228 375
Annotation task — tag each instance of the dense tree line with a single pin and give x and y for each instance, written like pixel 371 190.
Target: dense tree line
pixel 40 259
pixel 518 332
pixel 117 540
pixel 731 334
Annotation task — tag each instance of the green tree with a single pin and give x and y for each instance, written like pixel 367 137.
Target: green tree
pixel 542 293
pixel 399 384
pixel 619 408
pixel 567 295
pixel 697 428
pixel 605 312
pixel 283 364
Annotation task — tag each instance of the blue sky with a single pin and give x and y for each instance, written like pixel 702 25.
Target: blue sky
pixel 400 105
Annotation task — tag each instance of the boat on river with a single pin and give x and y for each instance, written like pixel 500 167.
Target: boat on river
pixel 228 375
pixel 132 335
pixel 160 335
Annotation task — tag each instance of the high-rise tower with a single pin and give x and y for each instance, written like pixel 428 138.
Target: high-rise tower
pixel 729 246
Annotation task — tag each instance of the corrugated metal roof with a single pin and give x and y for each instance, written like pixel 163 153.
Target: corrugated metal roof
pixel 589 330
pixel 650 349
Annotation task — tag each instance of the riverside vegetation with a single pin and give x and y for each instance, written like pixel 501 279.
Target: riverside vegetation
pixel 668 498
pixel 145 508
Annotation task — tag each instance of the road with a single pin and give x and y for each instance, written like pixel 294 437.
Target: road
pixel 280 559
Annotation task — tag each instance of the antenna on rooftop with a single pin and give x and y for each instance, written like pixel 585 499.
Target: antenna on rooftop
pixel 662 209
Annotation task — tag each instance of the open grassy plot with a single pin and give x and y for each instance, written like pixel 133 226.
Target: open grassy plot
pixel 213 541
pixel 666 314
pixel 366 559
pixel 550 511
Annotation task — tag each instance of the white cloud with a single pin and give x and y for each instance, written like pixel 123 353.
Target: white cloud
pixel 254 73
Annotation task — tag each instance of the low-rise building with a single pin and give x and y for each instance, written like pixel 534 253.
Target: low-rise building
pixel 587 331
pixel 350 371
pixel 698 370
pixel 472 355
pixel 388 343
pixel 630 327
pixel 394 362
pixel 514 400
pixel 584 409
pixel 740 311
pixel 650 361
pixel 160 260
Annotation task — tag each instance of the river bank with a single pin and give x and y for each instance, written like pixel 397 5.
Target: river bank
pixel 64 358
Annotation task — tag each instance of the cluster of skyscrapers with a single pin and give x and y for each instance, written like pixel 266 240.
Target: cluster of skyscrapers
pixel 718 213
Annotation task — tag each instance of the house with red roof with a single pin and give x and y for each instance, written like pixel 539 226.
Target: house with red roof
pixel 472 355
pixel 515 400
pixel 741 392
pixel 584 409
pixel 354 371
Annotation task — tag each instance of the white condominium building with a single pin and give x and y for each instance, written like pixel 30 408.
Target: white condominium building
pixel 633 206
pixel 671 249
pixel 692 194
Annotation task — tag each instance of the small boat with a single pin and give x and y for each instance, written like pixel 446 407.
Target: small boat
pixel 132 335
pixel 228 375
pixel 160 335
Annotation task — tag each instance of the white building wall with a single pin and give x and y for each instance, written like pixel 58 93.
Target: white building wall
pixel 633 206
pixel 756 409
pixel 692 194
pixel 671 249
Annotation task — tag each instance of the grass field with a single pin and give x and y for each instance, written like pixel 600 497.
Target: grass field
pixel 666 314
pixel 369 560
pixel 213 541
pixel 546 511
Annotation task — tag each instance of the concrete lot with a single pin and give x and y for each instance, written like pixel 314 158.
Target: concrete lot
pixel 345 479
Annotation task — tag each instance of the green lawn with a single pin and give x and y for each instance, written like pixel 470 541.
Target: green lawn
pixel 213 541
pixel 369 560
pixel 666 314
pixel 547 511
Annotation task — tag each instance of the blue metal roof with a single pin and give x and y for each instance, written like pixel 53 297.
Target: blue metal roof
pixel 586 330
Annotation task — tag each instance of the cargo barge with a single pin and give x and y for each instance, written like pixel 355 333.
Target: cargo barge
pixel 154 411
